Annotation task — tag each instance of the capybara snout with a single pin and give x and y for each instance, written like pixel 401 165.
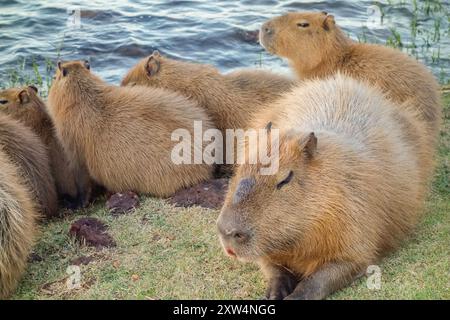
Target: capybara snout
pixel 266 35
pixel 232 231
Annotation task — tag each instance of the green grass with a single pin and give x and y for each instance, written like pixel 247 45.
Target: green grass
pixel 171 253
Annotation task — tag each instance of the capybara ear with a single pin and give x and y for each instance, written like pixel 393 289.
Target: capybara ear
pixel 329 22
pixel 153 64
pixel 87 65
pixel 309 145
pixel 64 71
pixel 24 96
pixel 34 88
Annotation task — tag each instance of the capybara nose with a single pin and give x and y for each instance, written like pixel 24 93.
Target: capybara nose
pixel 267 28
pixel 233 233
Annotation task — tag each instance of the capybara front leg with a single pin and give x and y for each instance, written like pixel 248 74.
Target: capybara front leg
pixel 326 280
pixel 281 283
pixel 84 186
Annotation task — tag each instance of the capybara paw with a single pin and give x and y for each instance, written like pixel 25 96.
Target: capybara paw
pixel 70 203
pixel 281 286
pixel 307 290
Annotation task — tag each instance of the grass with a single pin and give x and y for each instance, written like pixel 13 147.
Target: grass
pixel 171 253
pixel 165 252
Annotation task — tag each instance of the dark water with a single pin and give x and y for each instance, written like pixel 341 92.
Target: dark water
pixel 114 34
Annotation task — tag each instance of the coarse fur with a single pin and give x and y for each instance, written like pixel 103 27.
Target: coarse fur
pixel 28 152
pixel 350 187
pixel 230 99
pixel 24 105
pixel 122 136
pixel 18 224
pixel 316 47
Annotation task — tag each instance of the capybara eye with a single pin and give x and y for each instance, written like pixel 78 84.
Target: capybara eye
pixel 3 101
pixel 303 24
pixel 65 72
pixel 285 181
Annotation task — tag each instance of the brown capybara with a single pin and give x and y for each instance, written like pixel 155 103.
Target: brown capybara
pixel 122 136
pixel 18 224
pixel 316 47
pixel 24 105
pixel 28 152
pixel 348 189
pixel 230 99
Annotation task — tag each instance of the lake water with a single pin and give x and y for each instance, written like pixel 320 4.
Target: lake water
pixel 115 34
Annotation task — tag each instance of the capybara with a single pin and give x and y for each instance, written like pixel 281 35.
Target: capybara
pixel 122 136
pixel 28 152
pixel 18 223
pixel 230 99
pixel 316 47
pixel 25 105
pixel 349 189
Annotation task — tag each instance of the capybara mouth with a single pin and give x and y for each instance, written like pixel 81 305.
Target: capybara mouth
pixel 267 46
pixel 266 42
pixel 230 252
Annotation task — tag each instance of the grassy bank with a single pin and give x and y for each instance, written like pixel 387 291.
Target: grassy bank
pixel 165 252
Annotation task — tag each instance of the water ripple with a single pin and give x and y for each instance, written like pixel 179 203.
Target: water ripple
pixel 114 34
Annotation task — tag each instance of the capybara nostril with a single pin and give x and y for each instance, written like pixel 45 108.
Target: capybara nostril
pixel 267 28
pixel 230 232
pixel 239 236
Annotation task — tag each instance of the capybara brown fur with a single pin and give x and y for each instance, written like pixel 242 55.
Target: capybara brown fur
pixel 350 187
pixel 28 152
pixel 230 99
pixel 122 136
pixel 317 47
pixel 18 223
pixel 24 105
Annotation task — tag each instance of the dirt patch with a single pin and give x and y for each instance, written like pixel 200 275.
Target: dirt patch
pixel 209 194
pixel 122 203
pixel 92 232
pixel 82 260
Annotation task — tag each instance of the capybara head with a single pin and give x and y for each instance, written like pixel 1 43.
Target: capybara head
pixel 72 69
pixel 266 215
pixel 72 81
pixel 159 71
pixel 145 72
pixel 305 36
pixel 21 103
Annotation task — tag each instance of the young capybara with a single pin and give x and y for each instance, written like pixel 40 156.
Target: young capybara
pixel 122 136
pixel 28 152
pixel 231 99
pixel 24 105
pixel 349 189
pixel 18 223
pixel 317 47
